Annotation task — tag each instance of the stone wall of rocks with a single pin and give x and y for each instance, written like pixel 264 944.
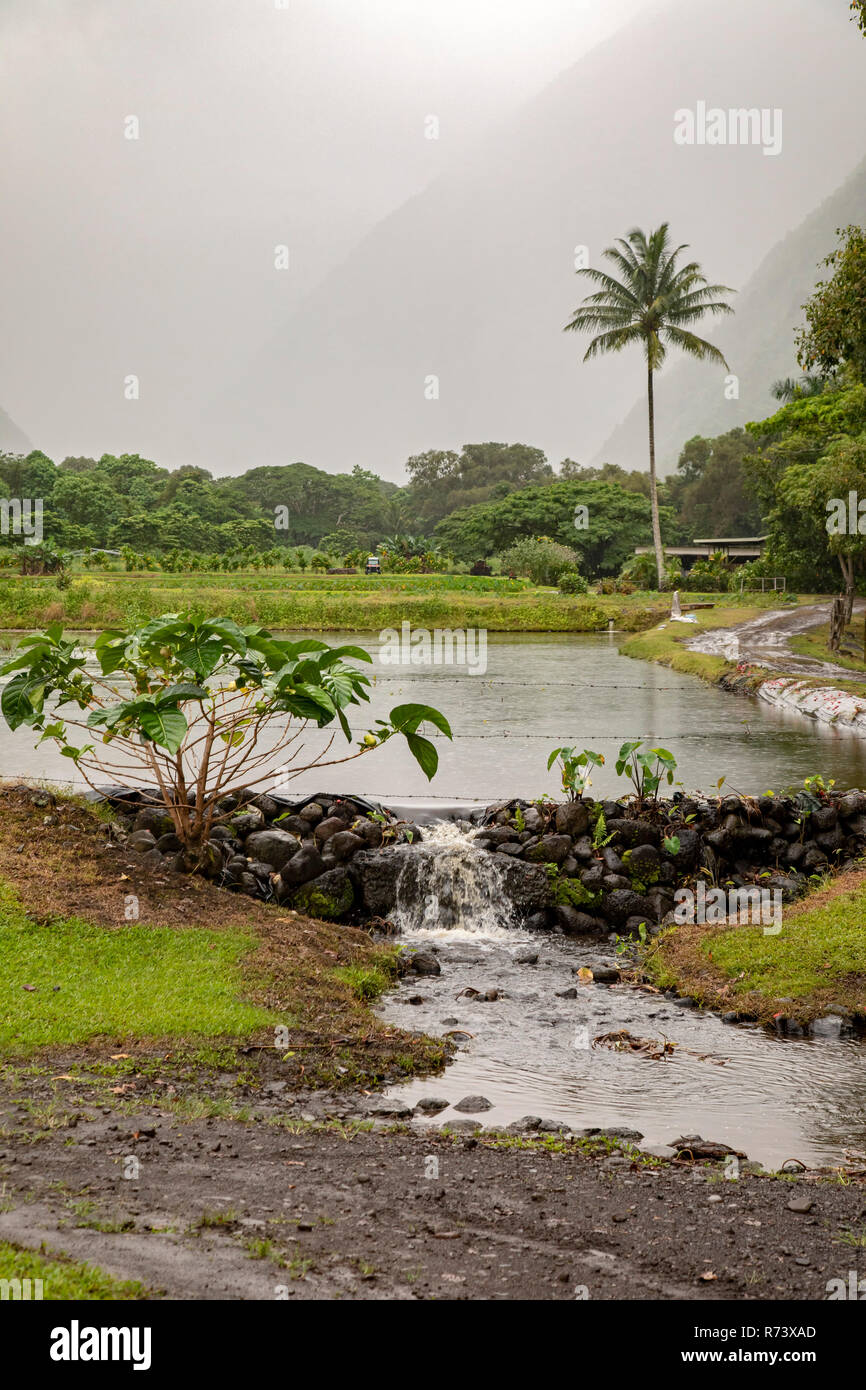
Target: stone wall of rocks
pixel 580 867
pixel 299 855
pixel 612 867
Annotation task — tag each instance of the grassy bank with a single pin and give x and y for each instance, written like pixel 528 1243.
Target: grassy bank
pixel 203 977
pixel 81 981
pixel 320 603
pixel 63 1279
pixel 665 644
pixel 816 644
pixel 818 959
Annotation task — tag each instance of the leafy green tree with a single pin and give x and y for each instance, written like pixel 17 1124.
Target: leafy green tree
pixel 632 481
pixel 835 334
pixel 640 571
pixel 791 389
pixel 339 543
pixel 602 522
pixel 652 305
pixel 540 559
pixel 709 490
pixel 204 695
pixel 85 500
pixel 441 481
pixel 711 575
pixel 794 442
pixel 811 489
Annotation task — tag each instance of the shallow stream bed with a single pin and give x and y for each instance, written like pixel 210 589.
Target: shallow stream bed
pixel 530 1053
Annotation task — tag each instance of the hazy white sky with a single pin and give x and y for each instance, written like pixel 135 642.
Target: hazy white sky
pixel 260 125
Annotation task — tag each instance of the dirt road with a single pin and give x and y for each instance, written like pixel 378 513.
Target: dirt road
pixel 222 1209
pixel 764 641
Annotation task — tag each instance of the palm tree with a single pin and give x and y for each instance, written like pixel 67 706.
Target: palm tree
pixel 652 304
pixel 789 389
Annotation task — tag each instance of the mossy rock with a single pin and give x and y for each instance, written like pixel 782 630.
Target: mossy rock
pixel 328 897
pixel 570 892
pixel 642 871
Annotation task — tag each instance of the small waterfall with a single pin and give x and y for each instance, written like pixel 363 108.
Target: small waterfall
pixel 449 885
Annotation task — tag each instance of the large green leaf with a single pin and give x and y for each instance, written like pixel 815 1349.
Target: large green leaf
pixel 229 631
pixel 110 648
pixel 115 714
pixel 201 653
pixel 30 658
pixel 15 701
pixel 424 753
pixel 273 652
pixel 338 653
pixel 184 691
pixel 167 727
pixel 408 718
pixel 159 629
pixel 345 686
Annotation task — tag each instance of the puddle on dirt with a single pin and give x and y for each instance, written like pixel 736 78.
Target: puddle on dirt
pixel 529 1051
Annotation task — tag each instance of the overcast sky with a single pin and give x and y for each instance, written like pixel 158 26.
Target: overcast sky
pixel 258 126
pixel 304 126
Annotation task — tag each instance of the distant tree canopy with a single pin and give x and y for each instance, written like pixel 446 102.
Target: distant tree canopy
pixel 708 491
pixel 835 334
pixel 859 14
pixel 471 505
pixel 807 454
pixel 114 502
pixel 440 480
pixel 635 481
pixel 604 535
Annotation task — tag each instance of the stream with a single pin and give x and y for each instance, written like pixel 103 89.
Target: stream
pixel 529 1051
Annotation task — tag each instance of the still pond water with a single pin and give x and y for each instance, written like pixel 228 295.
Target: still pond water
pixel 539 691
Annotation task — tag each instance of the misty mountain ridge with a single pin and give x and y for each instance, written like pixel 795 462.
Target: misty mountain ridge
pixel 445 323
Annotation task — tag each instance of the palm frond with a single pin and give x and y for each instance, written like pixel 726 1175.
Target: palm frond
pixel 693 345
pixel 613 341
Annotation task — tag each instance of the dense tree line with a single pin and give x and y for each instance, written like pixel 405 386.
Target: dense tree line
pixel 491 500
pixel 470 505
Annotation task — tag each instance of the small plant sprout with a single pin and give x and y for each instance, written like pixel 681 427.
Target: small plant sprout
pixel 575 769
pixel 600 837
pixel 646 770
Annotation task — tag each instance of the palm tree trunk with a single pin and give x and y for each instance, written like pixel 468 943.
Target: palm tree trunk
pixel 654 496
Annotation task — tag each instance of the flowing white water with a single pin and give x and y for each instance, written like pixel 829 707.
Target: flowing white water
pixel 451 887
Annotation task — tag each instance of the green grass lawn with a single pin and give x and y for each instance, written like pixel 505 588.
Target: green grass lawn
pixel 818 958
pixel 822 943
pixel 122 982
pixel 815 643
pixel 64 1279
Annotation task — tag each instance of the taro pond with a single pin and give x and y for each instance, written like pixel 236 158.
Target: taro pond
pixel 538 692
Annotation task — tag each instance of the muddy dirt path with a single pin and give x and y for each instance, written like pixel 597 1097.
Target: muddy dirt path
pixel 228 1210
pixel 764 641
